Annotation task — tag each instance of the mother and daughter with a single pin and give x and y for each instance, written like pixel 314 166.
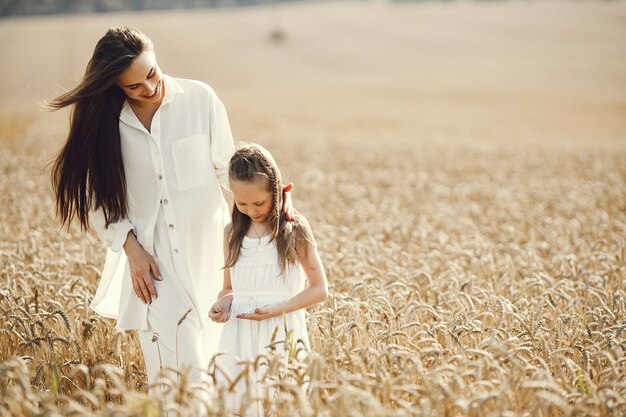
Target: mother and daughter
pixel 143 163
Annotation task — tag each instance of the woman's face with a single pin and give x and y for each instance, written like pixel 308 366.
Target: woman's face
pixel 142 81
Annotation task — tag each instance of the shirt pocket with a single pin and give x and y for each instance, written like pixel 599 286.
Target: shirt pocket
pixel 192 162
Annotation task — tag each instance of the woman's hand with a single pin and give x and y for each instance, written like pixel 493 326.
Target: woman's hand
pixel 220 312
pixel 142 269
pixel 263 313
pixel 287 207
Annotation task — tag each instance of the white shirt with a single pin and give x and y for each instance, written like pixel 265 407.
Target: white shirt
pixel 173 175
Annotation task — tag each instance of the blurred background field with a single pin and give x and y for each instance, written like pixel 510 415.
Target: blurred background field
pixel 461 163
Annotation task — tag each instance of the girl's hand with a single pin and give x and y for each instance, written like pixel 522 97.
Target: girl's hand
pixel 263 313
pixel 220 312
pixel 143 269
pixel 287 207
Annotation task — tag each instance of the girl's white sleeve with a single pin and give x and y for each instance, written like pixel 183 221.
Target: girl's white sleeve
pixel 222 147
pixel 113 236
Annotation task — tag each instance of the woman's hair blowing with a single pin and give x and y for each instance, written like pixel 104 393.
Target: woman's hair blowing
pixel 88 173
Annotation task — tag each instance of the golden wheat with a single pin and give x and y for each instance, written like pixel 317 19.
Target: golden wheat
pixel 477 264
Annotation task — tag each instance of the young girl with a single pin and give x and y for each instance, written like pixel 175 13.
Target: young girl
pixel 266 256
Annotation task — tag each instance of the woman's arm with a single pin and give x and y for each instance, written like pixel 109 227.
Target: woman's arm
pixel 112 236
pixel 142 266
pixel 287 208
pixel 315 292
pixel 223 148
pixel 221 137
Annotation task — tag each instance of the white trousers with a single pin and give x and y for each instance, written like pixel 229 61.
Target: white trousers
pixel 177 346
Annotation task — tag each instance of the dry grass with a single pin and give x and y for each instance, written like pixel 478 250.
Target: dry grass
pixel 477 265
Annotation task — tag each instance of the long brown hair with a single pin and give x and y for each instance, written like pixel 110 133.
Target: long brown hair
pixel 252 163
pixel 88 173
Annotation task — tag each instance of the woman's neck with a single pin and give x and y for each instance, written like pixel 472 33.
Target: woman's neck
pixel 144 112
pixel 143 107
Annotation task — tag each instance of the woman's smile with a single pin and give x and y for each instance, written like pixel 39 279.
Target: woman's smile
pixel 157 90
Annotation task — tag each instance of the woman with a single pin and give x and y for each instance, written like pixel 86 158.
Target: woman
pixel 143 163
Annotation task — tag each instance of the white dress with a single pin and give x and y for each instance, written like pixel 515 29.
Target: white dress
pixel 257 281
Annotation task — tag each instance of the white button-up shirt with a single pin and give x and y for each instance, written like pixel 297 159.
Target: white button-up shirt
pixel 173 175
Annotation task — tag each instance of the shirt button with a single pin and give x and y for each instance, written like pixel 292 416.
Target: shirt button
pixel 165 201
pixel 160 177
pixel 171 226
pixel 175 250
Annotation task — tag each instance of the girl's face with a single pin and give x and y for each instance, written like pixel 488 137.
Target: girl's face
pixel 142 81
pixel 252 199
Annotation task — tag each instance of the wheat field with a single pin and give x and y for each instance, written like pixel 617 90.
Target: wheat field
pixel 463 168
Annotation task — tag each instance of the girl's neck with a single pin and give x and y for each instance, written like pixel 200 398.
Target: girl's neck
pixel 257 229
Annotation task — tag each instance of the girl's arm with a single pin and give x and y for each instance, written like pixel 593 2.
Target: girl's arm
pixel 220 311
pixel 315 292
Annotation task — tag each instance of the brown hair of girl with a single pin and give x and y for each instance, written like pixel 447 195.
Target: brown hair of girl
pixel 252 163
pixel 88 173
